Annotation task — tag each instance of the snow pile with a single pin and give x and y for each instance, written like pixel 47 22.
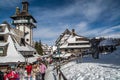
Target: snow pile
pixel 105 68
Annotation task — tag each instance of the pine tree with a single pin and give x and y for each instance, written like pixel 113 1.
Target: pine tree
pixel 38 47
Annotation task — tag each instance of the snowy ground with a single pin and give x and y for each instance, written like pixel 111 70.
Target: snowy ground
pixel 50 74
pixel 105 68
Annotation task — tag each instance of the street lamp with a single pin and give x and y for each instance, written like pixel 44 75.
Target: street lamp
pixel 58 53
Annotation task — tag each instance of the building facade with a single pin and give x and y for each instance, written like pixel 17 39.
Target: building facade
pixel 70 42
pixel 47 49
pixel 24 22
pixel 16 44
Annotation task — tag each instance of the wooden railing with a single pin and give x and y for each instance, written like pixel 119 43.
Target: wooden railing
pixel 60 74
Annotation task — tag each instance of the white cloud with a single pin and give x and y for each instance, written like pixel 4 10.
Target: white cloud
pixel 49 32
pixel 9 3
pixel 104 31
pixel 89 11
pixel 82 26
pixel 92 12
pixel 111 30
pixel 115 14
pixel 55 13
pixel 49 42
pixel 45 33
pixel 116 35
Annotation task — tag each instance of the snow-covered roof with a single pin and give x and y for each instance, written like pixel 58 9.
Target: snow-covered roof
pixel 24 48
pixel 66 32
pixel 3 44
pixel 3 24
pixel 11 59
pixel 63 55
pixel 32 59
pixel 72 39
pixel 75 46
pixel 13 53
pixel 79 42
pixel 54 48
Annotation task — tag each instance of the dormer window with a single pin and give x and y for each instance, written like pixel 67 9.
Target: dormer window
pixel 81 39
pixel 24 7
pixel 22 42
pixel 1 28
pixel 1 51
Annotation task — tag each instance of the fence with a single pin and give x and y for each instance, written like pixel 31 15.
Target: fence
pixel 60 75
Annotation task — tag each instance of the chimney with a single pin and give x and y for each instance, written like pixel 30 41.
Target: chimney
pixel 25 5
pixel 17 11
pixel 73 32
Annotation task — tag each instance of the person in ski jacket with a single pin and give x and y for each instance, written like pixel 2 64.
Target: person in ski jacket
pixel 42 70
pixel 11 74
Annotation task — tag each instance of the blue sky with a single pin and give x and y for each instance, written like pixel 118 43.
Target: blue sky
pixel 89 18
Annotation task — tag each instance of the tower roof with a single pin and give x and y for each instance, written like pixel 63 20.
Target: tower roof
pixel 24 12
pixel 25 1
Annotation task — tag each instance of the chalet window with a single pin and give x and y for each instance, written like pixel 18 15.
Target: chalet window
pixel 24 7
pixel 81 39
pixel 66 50
pixel 22 42
pixel 1 29
pixel 2 38
pixel 1 51
pixel 73 44
pixel 71 49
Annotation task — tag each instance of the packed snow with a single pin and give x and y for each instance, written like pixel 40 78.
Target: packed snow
pixel 107 67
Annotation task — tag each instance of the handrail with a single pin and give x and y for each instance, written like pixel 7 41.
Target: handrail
pixel 62 75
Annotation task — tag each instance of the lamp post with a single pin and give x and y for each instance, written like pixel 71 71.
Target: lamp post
pixel 58 53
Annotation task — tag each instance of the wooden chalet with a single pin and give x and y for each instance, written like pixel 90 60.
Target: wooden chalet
pixel 70 42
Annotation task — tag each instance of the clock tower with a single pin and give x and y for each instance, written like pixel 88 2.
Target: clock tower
pixel 24 22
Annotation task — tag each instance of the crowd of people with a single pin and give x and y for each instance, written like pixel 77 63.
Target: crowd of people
pixel 29 71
